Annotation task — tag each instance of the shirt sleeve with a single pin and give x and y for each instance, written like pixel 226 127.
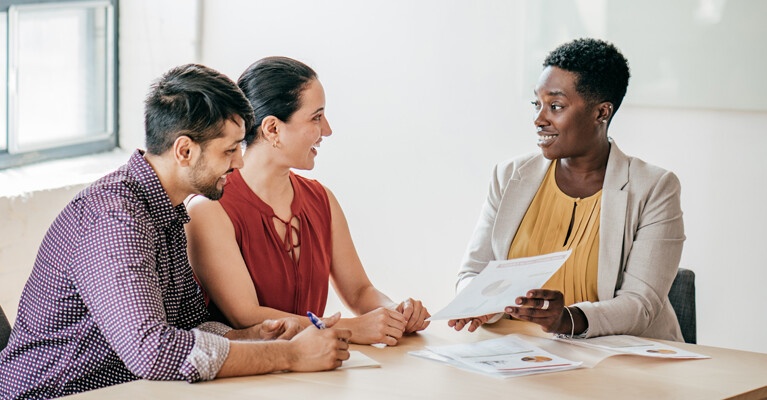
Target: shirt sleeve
pixel 651 266
pixel 214 327
pixel 208 354
pixel 114 271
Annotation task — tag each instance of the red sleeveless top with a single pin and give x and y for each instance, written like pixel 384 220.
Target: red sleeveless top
pixel 280 282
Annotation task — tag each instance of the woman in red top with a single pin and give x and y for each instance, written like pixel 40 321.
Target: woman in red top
pixel 267 249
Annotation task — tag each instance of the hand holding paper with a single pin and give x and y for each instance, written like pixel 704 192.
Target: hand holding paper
pixel 500 283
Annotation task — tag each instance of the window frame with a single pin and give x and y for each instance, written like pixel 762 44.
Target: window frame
pixel 78 147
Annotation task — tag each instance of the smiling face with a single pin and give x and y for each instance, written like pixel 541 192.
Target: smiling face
pixel 568 126
pixel 300 136
pixel 218 158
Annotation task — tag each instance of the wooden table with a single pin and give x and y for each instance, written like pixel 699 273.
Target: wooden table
pixel 729 373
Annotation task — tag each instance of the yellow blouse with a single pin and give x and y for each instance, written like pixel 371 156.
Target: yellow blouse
pixel 546 228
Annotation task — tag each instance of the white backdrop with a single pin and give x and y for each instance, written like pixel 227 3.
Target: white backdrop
pixel 422 104
pixel 425 97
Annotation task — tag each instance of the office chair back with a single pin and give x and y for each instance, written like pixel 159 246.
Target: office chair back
pixel 5 329
pixel 682 298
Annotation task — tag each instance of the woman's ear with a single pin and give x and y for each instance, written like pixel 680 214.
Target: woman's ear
pixel 184 150
pixel 270 128
pixel 605 112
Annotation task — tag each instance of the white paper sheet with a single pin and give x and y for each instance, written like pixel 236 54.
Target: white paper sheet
pixel 589 356
pixel 501 357
pixel 359 360
pixel 625 344
pixel 500 283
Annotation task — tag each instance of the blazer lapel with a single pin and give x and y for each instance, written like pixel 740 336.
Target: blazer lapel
pixel 516 199
pixel 612 222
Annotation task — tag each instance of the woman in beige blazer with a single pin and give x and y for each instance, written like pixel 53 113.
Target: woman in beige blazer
pixel 639 222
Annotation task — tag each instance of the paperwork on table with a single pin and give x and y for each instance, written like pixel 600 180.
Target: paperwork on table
pixel 503 357
pixel 625 344
pixel 500 283
pixel 359 360
pixel 518 354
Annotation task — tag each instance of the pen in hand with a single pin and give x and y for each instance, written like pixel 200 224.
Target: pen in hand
pixel 315 320
pixel 319 324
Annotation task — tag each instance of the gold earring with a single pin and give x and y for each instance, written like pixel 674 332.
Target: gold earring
pixel 275 143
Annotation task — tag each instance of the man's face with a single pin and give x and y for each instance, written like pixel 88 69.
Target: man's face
pixel 218 158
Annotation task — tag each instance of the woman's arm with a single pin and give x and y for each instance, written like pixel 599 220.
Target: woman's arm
pixel 220 269
pixel 380 319
pixel 651 265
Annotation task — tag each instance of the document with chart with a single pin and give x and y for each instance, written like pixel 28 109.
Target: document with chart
pixel 500 283
pixel 502 357
pixel 625 344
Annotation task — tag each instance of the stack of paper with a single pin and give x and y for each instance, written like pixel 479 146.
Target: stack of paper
pixel 624 344
pixel 502 357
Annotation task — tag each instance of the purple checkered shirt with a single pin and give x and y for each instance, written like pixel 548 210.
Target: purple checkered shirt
pixel 111 297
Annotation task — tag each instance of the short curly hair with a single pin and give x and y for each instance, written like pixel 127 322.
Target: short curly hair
pixel 603 72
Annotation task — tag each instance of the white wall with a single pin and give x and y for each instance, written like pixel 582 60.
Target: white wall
pixel 422 104
pixel 424 97
pixel 154 37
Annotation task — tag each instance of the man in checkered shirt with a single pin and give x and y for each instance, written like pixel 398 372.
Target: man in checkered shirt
pixel 112 297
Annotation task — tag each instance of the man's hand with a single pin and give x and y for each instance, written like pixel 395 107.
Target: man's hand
pixel 318 350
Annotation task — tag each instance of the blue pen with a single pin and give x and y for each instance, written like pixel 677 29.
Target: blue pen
pixel 315 320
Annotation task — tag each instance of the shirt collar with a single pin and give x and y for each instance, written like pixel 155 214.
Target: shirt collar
pixel 150 188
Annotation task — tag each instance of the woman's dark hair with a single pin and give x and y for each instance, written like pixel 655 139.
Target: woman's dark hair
pixel 273 85
pixel 603 72
pixel 191 100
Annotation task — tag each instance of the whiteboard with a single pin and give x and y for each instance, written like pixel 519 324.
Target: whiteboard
pixel 682 53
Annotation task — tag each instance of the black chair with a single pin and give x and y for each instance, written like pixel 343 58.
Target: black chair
pixel 682 298
pixel 5 329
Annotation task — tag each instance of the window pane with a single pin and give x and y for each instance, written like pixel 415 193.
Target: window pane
pixel 60 66
pixel 3 80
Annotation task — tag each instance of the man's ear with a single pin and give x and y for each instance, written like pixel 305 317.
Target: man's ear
pixel 185 150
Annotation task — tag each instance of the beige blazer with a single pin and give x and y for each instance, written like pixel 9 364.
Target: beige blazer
pixel 640 240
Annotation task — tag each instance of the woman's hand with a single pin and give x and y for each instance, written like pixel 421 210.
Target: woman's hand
pixel 543 307
pixel 282 328
pixel 381 325
pixel 415 314
pixel 473 323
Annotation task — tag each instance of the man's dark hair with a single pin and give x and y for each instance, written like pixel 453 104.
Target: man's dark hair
pixel 191 100
pixel 603 72
pixel 273 85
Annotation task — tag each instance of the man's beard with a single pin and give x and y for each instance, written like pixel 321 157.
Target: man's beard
pixel 205 185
